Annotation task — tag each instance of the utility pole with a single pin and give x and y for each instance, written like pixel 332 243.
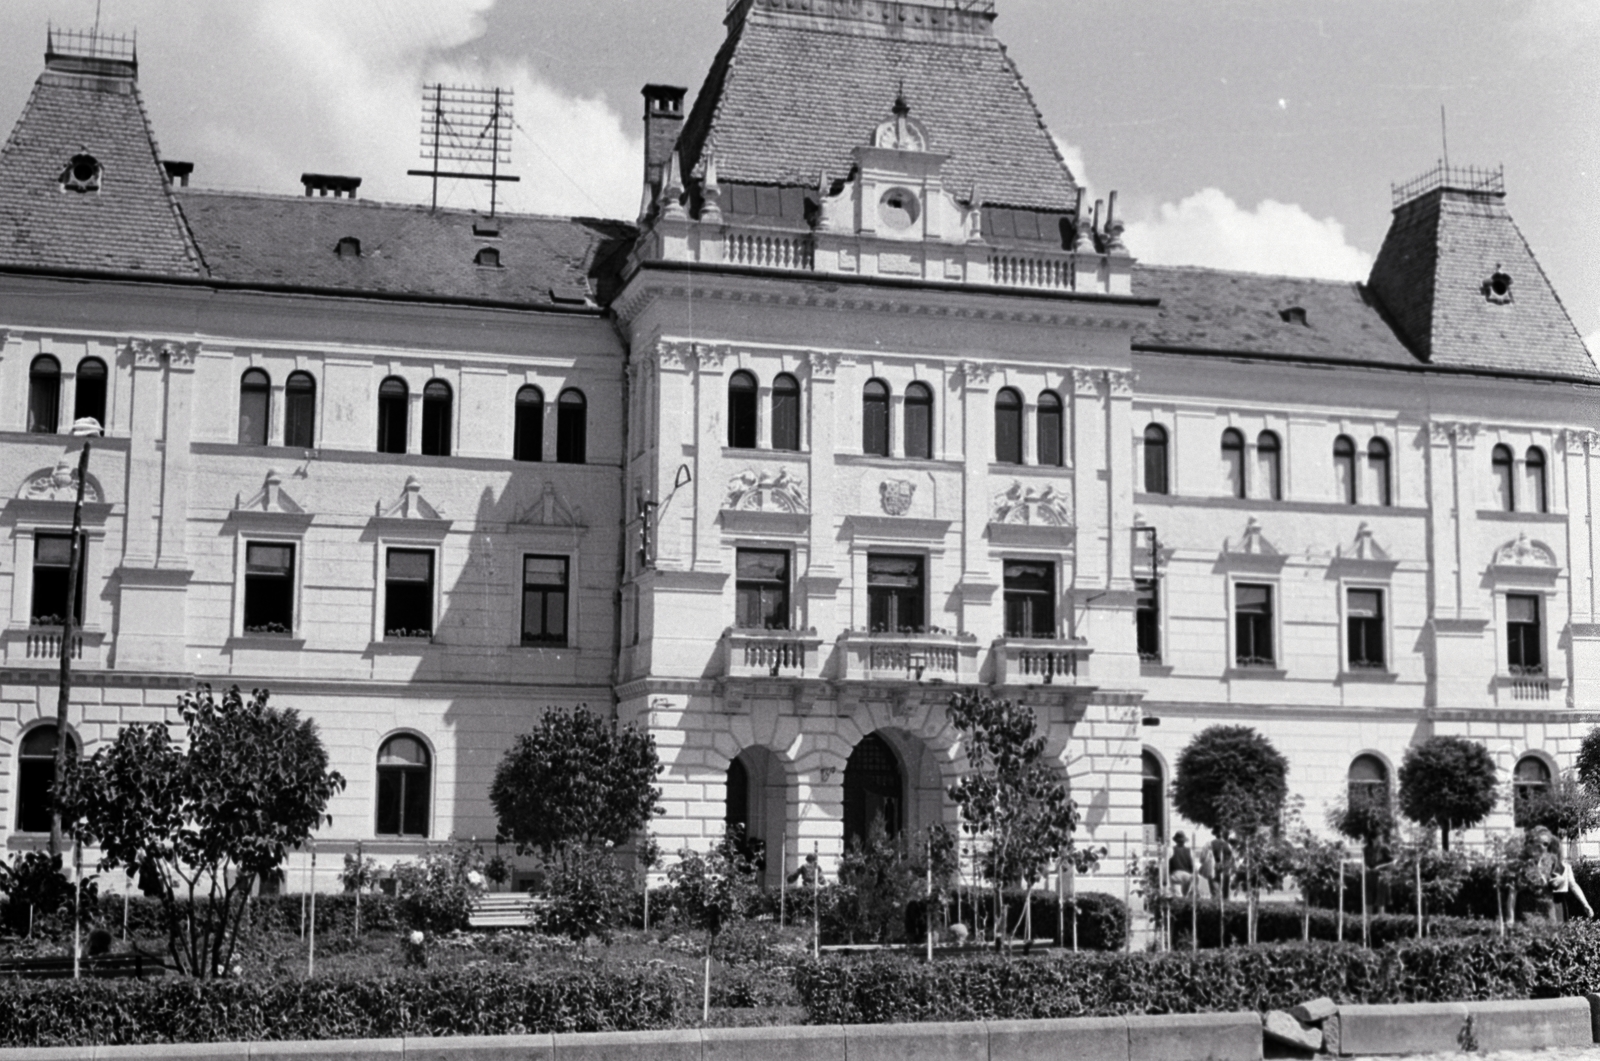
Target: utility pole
pixel 69 620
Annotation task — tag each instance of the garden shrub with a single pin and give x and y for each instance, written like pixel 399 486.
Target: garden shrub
pixel 1102 919
pixel 589 894
pixel 479 1001
pixel 266 914
pixel 437 892
pixel 888 988
pixel 1284 923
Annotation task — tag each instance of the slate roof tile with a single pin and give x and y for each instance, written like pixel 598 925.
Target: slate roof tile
pixel 789 97
pixel 130 224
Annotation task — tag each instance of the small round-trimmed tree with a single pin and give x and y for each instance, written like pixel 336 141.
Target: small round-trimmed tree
pixel 1589 761
pixel 1231 779
pixel 1447 782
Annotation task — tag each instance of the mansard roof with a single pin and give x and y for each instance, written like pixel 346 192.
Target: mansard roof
pixel 124 220
pixel 1211 311
pixel 1448 252
pixel 401 250
pixel 799 84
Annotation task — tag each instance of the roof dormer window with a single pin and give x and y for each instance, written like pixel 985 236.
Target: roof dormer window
pixel 1497 288
pixel 82 174
pixel 1294 315
pixel 349 247
pixel 488 257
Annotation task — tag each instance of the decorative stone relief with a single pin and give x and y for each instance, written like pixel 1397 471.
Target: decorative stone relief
pixel 270 498
pixel 1442 432
pixel 691 356
pixel 1253 542
pixel 410 504
pixel 1575 440
pixel 149 352
pixel 895 496
pixel 1085 383
pixel 766 491
pixel 59 483
pixel 1031 506
pixel 823 364
pixel 975 372
pixel 1121 383
pixel 1524 552
pixel 549 510
pixel 1365 547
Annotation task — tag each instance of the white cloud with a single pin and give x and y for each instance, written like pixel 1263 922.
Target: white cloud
pixel 1592 341
pixel 1208 228
pixel 1073 155
pixel 256 94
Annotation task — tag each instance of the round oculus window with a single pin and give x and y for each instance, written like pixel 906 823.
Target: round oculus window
pixel 898 209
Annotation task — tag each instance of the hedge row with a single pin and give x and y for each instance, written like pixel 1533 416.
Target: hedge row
pixel 481 1001
pixel 272 914
pixel 1286 923
pixel 884 989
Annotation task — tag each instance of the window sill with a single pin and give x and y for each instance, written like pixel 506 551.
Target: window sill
pixel 1495 515
pixel 1154 669
pixel 1368 676
pixel 401 646
pixel 1254 673
pixel 276 642
pixel 545 646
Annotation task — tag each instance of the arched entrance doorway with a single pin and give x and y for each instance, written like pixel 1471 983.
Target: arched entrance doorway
pixel 756 803
pixel 873 787
pixel 1155 799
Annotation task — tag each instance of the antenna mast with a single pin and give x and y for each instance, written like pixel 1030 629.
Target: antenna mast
pixel 469 126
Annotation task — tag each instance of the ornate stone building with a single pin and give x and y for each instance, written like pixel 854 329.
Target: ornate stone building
pixel 870 406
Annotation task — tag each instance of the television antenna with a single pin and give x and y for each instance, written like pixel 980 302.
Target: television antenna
pixel 470 127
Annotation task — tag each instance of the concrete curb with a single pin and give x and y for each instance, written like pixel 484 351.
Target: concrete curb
pixel 1364 1030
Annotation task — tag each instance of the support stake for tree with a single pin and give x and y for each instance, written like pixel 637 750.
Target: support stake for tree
pixel 783 883
pixel 77 902
pixel 816 886
pixel 69 620
pixel 1419 892
pixel 361 874
pixel 311 933
pixel 927 901
pixel 1339 936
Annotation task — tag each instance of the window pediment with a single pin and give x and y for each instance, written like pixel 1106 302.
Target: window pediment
pixel 410 515
pixel 1524 560
pixel 269 509
pixel 1251 551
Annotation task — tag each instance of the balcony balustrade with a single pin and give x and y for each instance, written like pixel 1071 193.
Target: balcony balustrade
pixel 1039 661
pixel 909 657
pixel 770 653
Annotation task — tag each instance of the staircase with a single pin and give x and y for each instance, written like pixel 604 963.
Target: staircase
pixel 505 910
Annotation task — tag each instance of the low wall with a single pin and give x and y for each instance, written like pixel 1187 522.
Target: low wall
pixel 1449 1027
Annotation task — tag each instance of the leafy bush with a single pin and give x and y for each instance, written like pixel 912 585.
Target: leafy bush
pixel 1285 923
pixel 877 877
pixel 436 893
pixel 888 988
pixel 713 888
pixel 481 1001
pixel 1102 919
pixel 34 888
pixel 589 894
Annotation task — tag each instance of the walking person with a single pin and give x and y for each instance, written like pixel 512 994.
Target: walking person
pixel 1180 867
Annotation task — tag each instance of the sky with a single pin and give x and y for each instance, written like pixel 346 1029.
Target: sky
pixel 1260 135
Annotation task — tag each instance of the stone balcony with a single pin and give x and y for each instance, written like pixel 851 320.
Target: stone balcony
pixel 770 653
pixel 40 646
pixel 1020 661
pixel 908 657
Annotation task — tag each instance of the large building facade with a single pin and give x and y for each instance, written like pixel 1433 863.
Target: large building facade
pixel 868 408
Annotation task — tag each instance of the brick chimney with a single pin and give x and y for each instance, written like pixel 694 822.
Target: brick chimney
pixel 663 121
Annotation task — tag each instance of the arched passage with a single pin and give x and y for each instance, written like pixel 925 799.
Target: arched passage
pixel 891 773
pixel 757 801
pixel 1155 798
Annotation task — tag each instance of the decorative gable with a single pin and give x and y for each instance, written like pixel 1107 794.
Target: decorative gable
pixel 1252 551
pixel 60 484
pixel 549 510
pixel 269 508
pixel 410 515
pixel 1524 561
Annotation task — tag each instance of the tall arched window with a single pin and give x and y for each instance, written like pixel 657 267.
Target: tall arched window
pixel 1269 466
pixel 786 413
pixel 1367 782
pixel 255 404
pixel 742 410
pixel 36 772
pixel 1378 466
pixel 405 778
pixel 1344 470
pixel 1155 459
pixel 44 395
pixel 1534 496
pixel 436 402
pixel 1007 427
pixel 1233 462
pixel 1505 490
pixel 873 789
pixel 1049 425
pixel 90 398
pixel 572 427
pixel 1530 780
pixel 529 442
pixel 919 421
pixel 1155 798
pixel 394 398
pixel 875 418
pixel 300 411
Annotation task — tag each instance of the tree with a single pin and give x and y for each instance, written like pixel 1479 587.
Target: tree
pixel 1011 795
pixel 576 779
pixel 1589 761
pixel 1447 782
pixel 1367 815
pixel 1566 807
pixel 208 816
pixel 1231 779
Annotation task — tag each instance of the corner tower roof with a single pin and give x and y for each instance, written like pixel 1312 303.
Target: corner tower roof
pixel 798 84
pixel 81 183
pixel 1462 286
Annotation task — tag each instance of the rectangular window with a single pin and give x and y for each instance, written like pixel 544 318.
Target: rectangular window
pixel 1252 626
pixel 268 588
pixel 895 594
pixel 762 587
pixel 408 594
pixel 1523 638
pixel 1363 609
pixel 52 560
pixel 544 600
pixel 1147 619
pixel 1030 590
